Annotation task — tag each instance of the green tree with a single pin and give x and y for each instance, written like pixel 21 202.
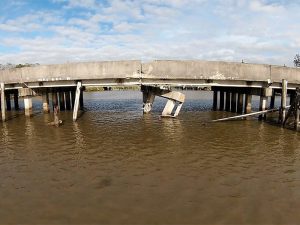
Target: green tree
pixel 297 60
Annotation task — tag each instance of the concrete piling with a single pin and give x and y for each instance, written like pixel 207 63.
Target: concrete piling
pixel 148 99
pixel 81 99
pixel 54 99
pixel 16 99
pixel 262 107
pixel 227 105
pixel 215 100
pixel 28 105
pixel 8 101
pixel 240 103
pixel 77 99
pixel 222 100
pixel 61 100
pixel 248 103
pixel 3 109
pixel 45 99
pixel 283 101
pixel 233 102
pixel 68 100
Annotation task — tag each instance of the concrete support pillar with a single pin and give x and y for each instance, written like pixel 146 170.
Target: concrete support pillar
pixel 28 105
pixel 240 103
pixel 215 100
pixel 73 94
pixel 262 107
pixel 233 102
pixel 45 99
pixel 8 101
pixel 16 99
pixel 3 109
pixel 54 99
pixel 248 103
pixel 292 97
pixel 81 99
pixel 227 105
pixel 77 99
pixel 222 100
pixel 148 99
pixel 272 102
pixel 296 125
pixel 68 101
pixel 62 101
pixel 283 101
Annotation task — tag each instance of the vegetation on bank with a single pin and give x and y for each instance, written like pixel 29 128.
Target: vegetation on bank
pixel 12 66
pixel 114 88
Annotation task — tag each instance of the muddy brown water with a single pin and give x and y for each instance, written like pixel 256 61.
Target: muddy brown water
pixel 118 166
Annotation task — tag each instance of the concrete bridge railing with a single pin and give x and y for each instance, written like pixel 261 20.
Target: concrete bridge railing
pixel 171 70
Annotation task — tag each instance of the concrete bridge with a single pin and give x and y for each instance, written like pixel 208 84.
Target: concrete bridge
pixel 233 83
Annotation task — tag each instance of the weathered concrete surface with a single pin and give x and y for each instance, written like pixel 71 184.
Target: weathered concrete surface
pixel 119 71
pixel 219 71
pixel 72 71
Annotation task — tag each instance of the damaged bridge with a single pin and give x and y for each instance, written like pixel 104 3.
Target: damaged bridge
pixel 233 84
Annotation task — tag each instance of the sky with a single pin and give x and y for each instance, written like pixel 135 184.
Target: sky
pixel 61 31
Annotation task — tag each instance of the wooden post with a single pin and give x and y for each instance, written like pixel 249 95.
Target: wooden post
pixel 45 99
pixel 283 101
pixel 3 109
pixel 77 99
pixel 248 104
pixel 68 101
pixel 227 105
pixel 8 101
pixel 221 100
pixel 240 103
pixel 233 102
pixel 16 99
pixel 215 100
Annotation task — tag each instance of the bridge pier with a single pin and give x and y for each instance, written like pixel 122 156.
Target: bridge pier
pixel 222 98
pixel 67 98
pixel 248 103
pixel 77 99
pixel 227 104
pixel 45 99
pixel 8 101
pixel 240 103
pixel 3 109
pixel 16 99
pixel 148 99
pixel 54 99
pixel 174 98
pixel 215 100
pixel 282 113
pixel 233 101
pixel 28 105
pixel 61 100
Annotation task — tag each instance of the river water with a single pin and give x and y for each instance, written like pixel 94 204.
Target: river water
pixel 118 166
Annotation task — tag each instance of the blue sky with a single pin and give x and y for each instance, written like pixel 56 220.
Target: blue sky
pixel 59 31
